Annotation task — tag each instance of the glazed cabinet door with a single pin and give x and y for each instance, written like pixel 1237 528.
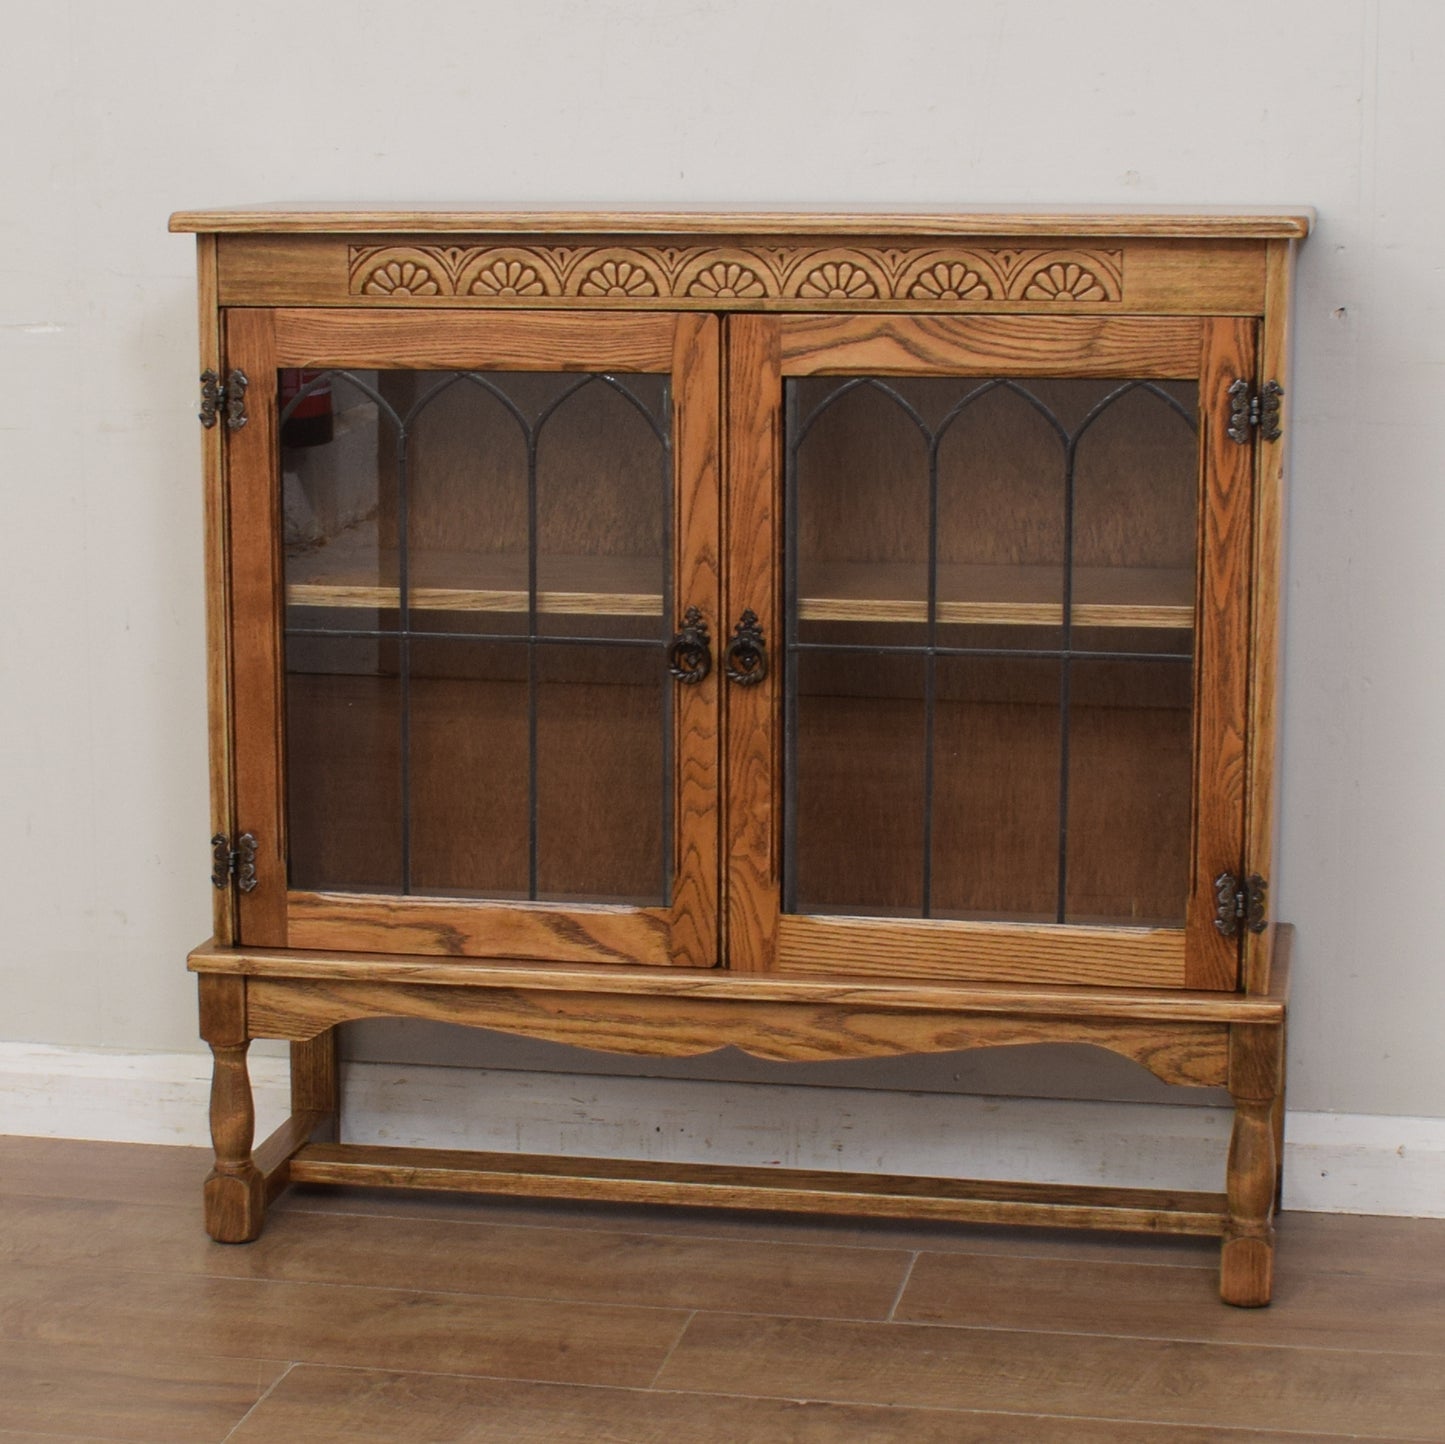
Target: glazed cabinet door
pixel 473 570
pixel 1000 569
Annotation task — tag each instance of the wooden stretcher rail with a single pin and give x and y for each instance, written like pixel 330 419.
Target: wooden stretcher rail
pixel 787 1190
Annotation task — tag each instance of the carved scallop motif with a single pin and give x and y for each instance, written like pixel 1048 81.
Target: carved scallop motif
pixel 1068 276
pixel 949 281
pixel 1064 282
pixel 726 280
pixel 401 278
pixel 839 281
pixel 618 277
pixel 506 278
pixel 730 275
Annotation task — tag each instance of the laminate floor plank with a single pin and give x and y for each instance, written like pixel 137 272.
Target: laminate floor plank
pixel 1310 1310
pixel 114 1392
pixel 339 1406
pixel 186 1315
pixel 11 1436
pixel 126 1172
pixel 1339 1392
pixel 598 1266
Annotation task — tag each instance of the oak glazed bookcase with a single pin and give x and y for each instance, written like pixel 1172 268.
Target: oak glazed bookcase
pixel 828 635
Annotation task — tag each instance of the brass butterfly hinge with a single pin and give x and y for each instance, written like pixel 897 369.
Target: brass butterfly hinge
pixel 234 864
pixel 1239 905
pixel 228 397
pixel 1249 409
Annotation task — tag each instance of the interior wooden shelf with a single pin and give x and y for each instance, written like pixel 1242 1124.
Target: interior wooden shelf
pixel 1028 596
pixel 342 576
pixel 441 581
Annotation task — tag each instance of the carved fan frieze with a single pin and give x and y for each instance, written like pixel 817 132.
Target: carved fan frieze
pixel 720 277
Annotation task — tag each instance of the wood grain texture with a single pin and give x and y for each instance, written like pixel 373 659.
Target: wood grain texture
pixel 345 573
pixel 1068 1333
pixel 68 1394
pixel 235 1190
pixel 194 1316
pixel 729 275
pixel 1261 822
pixel 478 1253
pixel 1142 346
pixel 1255 222
pixel 1192 1055
pixel 1164 276
pixel 273 1157
pixel 1161 1381
pixel 439 926
pixel 697 582
pixel 255 643
pixel 844 992
pixel 783 1190
pixel 314 1083
pixel 967 951
pixel 336 1406
pixel 981 594
pixel 751 802
pixel 1222 644
pixel 1082 1296
pixel 216 523
pixel 554 342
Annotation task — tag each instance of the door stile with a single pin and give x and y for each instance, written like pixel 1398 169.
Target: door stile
pixel 1271 463
pixel 258 724
pixel 1226 491
pixel 751 729
pixel 696 377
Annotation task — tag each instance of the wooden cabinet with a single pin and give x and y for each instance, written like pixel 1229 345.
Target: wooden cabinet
pixel 829 635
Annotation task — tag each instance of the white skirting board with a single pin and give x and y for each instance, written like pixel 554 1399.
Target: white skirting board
pixel 1334 1162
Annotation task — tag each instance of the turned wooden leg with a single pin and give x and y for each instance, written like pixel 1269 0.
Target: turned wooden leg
pixel 235 1191
pixel 1246 1273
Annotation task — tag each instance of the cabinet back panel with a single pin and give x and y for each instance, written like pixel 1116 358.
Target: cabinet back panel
pixel 859 841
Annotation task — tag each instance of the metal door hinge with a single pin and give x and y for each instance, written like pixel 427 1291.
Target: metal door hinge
pixel 230 397
pixel 234 864
pixel 1250 408
pixel 1239 904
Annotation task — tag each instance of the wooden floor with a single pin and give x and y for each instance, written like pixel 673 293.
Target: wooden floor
pixel 367 1317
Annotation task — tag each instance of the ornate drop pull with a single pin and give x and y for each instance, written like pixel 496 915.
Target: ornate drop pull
pixel 746 659
pixel 690 657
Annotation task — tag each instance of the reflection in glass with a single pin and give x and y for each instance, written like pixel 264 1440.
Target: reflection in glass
pixel 1023 552
pixel 490 552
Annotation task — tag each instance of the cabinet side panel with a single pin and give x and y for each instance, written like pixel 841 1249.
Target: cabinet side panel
pixel 1260 823
pixel 752 805
pixel 1222 658
pixel 218 641
pixel 255 633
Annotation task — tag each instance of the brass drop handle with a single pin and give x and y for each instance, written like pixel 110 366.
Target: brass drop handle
pixel 746 658
pixel 690 656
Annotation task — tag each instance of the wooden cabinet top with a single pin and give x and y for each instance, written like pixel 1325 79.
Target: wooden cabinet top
pixel 1237 223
